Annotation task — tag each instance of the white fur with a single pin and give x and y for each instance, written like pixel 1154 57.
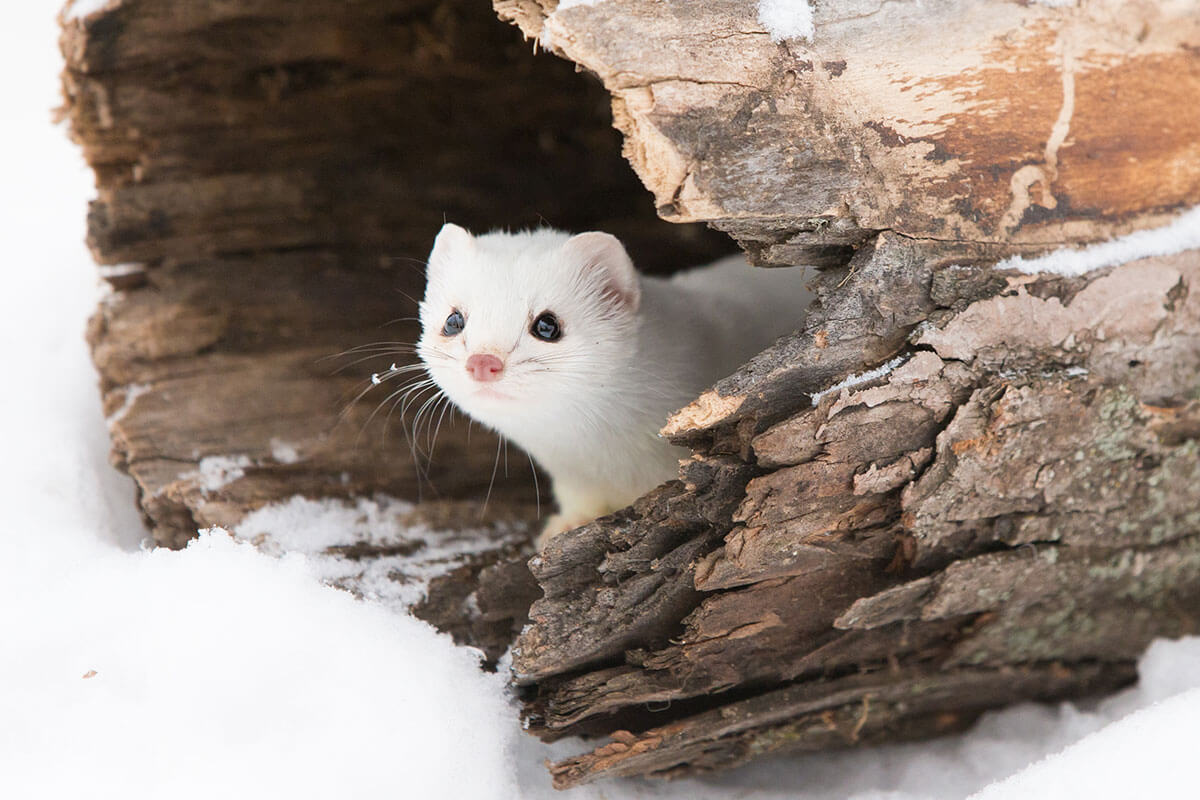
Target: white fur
pixel 633 349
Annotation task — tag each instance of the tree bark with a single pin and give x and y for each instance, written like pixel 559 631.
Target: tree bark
pixel 1008 511
pixel 991 122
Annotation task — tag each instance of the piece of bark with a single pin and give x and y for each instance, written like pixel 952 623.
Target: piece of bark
pixel 992 122
pixel 644 562
pixel 1021 497
pixel 290 125
pixel 864 314
pixel 831 714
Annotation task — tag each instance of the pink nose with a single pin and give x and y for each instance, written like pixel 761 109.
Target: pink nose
pixel 485 367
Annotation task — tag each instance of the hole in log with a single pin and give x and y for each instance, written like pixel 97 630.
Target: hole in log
pixel 278 177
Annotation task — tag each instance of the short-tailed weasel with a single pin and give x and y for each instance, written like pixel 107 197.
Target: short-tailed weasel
pixel 557 343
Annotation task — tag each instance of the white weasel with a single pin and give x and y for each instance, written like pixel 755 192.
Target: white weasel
pixel 556 342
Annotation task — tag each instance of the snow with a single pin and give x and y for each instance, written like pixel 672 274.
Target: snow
pixel 132 393
pixel 1098 767
pixel 862 377
pixel 1182 233
pixel 227 670
pixel 222 672
pixel 301 525
pixel 284 452
pixel 1145 752
pixel 786 19
pixel 217 472
pixel 83 8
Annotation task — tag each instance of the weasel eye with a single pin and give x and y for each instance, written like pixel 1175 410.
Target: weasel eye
pixel 546 328
pixel 454 324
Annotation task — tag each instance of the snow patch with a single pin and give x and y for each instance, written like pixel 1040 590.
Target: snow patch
pixel 1183 233
pixel 404 556
pixel 111 271
pixel 863 377
pixel 283 452
pixel 217 472
pixel 132 392
pixel 786 19
pixel 302 525
pixel 85 8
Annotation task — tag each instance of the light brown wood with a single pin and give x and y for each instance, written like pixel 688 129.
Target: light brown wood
pixel 990 121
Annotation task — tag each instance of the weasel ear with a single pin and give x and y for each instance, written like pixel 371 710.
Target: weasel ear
pixel 603 255
pixel 451 242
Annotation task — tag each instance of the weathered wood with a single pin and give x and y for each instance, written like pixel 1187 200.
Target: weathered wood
pixel 1013 496
pixel 280 125
pixel 987 121
pixel 823 715
pixel 270 176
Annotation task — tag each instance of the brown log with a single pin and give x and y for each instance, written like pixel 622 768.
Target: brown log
pixel 1018 494
pixel 997 122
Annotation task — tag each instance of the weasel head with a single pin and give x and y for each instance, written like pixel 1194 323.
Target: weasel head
pixel 517 328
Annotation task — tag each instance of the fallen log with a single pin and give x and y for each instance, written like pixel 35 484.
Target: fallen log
pixel 966 480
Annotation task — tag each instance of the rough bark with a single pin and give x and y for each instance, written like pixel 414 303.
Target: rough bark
pixel 1016 497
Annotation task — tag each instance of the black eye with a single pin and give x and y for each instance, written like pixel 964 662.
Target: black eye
pixel 454 324
pixel 546 328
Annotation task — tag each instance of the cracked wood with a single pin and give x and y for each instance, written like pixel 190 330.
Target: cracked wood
pixel 1023 124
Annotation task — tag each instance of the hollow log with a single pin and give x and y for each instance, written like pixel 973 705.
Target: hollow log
pixel 1005 508
pixel 270 176
pixel 962 482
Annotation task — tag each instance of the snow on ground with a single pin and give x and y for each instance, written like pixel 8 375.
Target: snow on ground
pixel 224 671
